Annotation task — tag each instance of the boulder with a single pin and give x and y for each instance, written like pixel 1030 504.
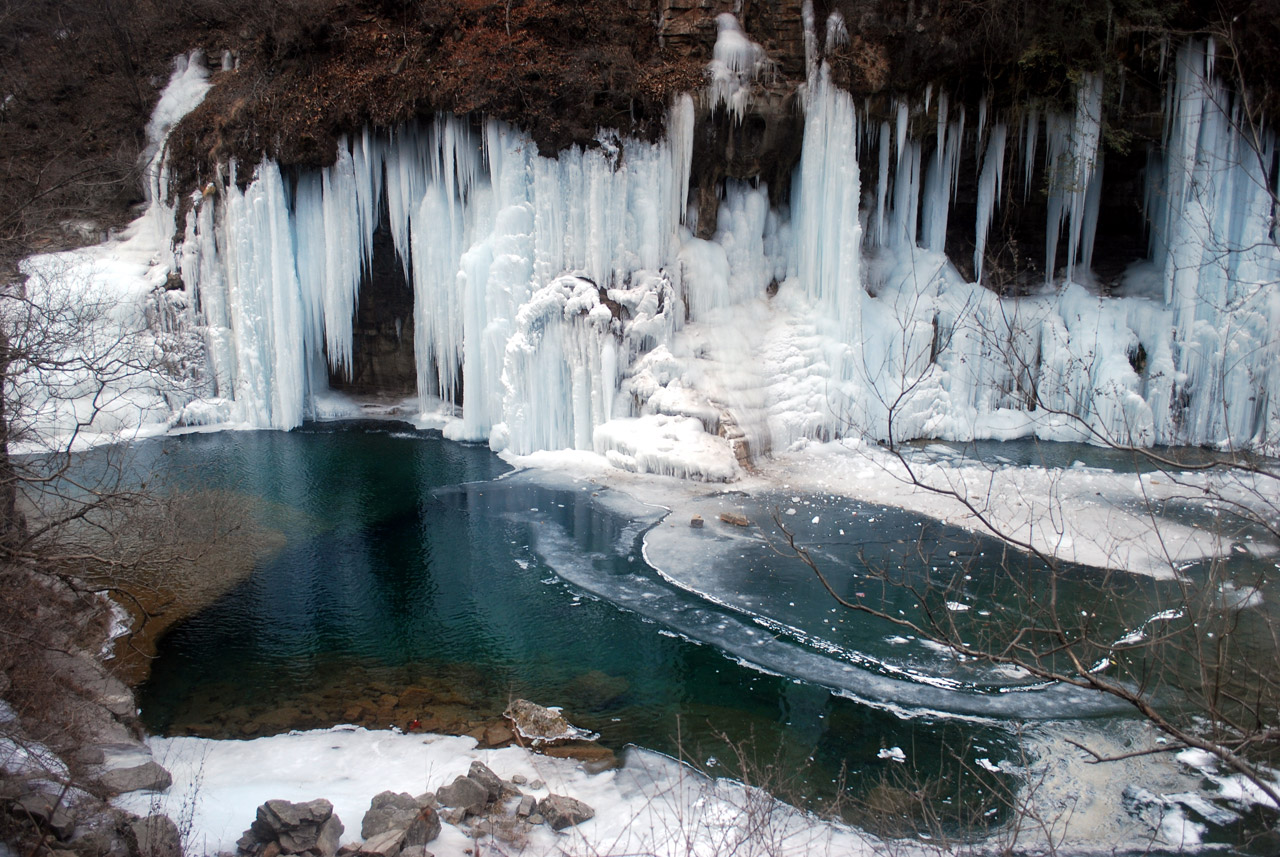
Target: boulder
pixel 464 793
pixel 49 812
pixel 388 811
pixel 156 836
pixel 296 828
pixel 541 725
pixel 497 735
pixel 386 844
pixel 487 778
pixel 149 776
pixel 561 811
pixel 525 809
pixel 696 522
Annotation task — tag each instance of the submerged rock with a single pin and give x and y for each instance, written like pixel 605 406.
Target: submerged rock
pixel 540 725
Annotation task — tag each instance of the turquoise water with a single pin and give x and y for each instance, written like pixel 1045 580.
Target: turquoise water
pixel 410 561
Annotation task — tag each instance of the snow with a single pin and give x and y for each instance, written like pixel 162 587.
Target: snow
pixel 112 358
pixel 651 805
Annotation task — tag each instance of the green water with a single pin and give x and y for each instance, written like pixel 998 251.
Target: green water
pixel 413 562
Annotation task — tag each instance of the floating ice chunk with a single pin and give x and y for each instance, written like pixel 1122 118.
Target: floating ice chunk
pixel 893 753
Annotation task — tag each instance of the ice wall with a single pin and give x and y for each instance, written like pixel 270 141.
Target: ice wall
pixel 488 232
pixel 560 303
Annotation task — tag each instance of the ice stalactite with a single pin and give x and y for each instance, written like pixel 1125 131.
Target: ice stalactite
pixel 1073 163
pixel 827 228
pixel 990 186
pixel 483 225
pixel 736 63
pixel 1210 206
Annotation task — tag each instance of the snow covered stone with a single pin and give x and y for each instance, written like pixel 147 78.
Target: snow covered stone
pixel 541 725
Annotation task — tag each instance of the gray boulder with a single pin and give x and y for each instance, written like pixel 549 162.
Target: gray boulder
pixel 561 811
pixel 297 828
pixel 156 836
pixel 386 844
pixel 49 812
pixel 487 778
pixel 148 776
pixel 464 793
pixel 388 811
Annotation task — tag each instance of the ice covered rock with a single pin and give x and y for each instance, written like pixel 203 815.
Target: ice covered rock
pixel 540 725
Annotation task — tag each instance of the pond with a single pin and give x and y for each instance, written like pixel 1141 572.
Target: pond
pixel 421 580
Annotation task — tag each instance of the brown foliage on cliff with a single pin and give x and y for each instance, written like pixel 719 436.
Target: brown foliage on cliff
pixel 559 69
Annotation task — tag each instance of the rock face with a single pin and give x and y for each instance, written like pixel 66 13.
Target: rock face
pixel 294 828
pixel 561 811
pixel 382 357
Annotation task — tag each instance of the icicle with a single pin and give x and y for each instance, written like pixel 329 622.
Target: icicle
pixel 680 126
pixel 736 63
pixel 1029 151
pixel 828 231
pixel 990 185
pixel 878 236
pixel 837 33
pixel 809 22
pixel 902 128
pixel 1072 163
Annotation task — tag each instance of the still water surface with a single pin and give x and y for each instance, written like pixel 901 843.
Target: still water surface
pixel 418 569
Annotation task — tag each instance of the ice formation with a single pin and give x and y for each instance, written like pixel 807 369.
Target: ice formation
pixel 568 301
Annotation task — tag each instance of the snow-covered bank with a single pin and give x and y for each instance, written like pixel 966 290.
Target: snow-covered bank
pixel 652 805
pixel 655 805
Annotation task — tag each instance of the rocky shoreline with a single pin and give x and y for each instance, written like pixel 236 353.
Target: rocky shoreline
pixel 56 799
pixel 401 825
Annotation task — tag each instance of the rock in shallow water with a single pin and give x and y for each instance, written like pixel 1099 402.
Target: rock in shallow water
pixel 540 725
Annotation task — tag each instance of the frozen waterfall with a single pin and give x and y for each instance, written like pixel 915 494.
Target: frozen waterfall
pixel 561 303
